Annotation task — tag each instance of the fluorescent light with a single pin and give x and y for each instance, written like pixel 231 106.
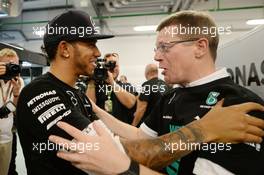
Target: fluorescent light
pixel 84 3
pixel 17 47
pixel 255 22
pixel 3 15
pixel 40 33
pixel 145 28
pixel 26 64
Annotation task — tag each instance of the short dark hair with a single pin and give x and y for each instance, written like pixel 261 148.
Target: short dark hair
pixel 50 51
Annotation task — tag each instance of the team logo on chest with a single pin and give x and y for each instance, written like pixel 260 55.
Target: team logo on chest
pixel 212 98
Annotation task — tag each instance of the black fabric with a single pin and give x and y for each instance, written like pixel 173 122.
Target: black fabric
pixel 132 170
pixel 120 111
pixel 182 105
pixel 70 25
pixel 12 165
pixel 152 90
pixel 42 103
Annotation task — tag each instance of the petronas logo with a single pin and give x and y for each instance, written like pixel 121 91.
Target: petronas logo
pixel 212 98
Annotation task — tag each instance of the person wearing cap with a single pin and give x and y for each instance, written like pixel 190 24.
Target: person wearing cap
pixel 182 115
pixel 70 44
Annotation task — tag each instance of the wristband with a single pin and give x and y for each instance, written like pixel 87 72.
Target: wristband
pixel 132 170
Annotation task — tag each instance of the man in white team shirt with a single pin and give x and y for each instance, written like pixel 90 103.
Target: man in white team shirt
pixel 9 92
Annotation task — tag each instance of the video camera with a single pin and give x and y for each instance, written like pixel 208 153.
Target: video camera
pixel 12 70
pixel 100 72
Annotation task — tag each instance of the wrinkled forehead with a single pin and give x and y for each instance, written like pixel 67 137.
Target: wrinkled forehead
pixel 168 33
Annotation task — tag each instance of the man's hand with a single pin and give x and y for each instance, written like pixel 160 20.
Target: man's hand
pixel 233 124
pixel 220 124
pixel 110 79
pixel 124 97
pixel 16 82
pixel 2 68
pixel 108 159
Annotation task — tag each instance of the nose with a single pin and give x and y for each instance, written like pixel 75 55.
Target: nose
pixel 97 52
pixel 157 56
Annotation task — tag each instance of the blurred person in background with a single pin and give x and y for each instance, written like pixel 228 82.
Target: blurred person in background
pixel 123 79
pixel 151 92
pixel 115 97
pixel 10 89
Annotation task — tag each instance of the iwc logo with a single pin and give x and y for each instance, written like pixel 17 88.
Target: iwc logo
pixel 212 98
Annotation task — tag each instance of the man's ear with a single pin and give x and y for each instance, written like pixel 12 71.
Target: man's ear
pixel 202 47
pixel 64 49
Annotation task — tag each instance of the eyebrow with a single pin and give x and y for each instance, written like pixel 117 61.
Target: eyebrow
pixel 162 43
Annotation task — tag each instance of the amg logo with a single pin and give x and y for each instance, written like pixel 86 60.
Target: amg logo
pixel 167 117
pixel 50 112
pixel 58 119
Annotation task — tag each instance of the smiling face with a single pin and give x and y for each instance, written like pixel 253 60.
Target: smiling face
pixel 85 56
pixel 177 60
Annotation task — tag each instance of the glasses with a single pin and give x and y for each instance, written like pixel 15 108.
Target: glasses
pixel 164 47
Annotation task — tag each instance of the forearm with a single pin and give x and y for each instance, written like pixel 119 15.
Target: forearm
pixel 15 99
pixel 126 98
pixel 120 128
pixel 90 92
pixel 147 171
pixel 158 153
pixel 138 115
pixel 18 84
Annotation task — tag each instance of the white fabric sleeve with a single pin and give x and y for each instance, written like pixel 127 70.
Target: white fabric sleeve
pixel 148 130
pixel 206 167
